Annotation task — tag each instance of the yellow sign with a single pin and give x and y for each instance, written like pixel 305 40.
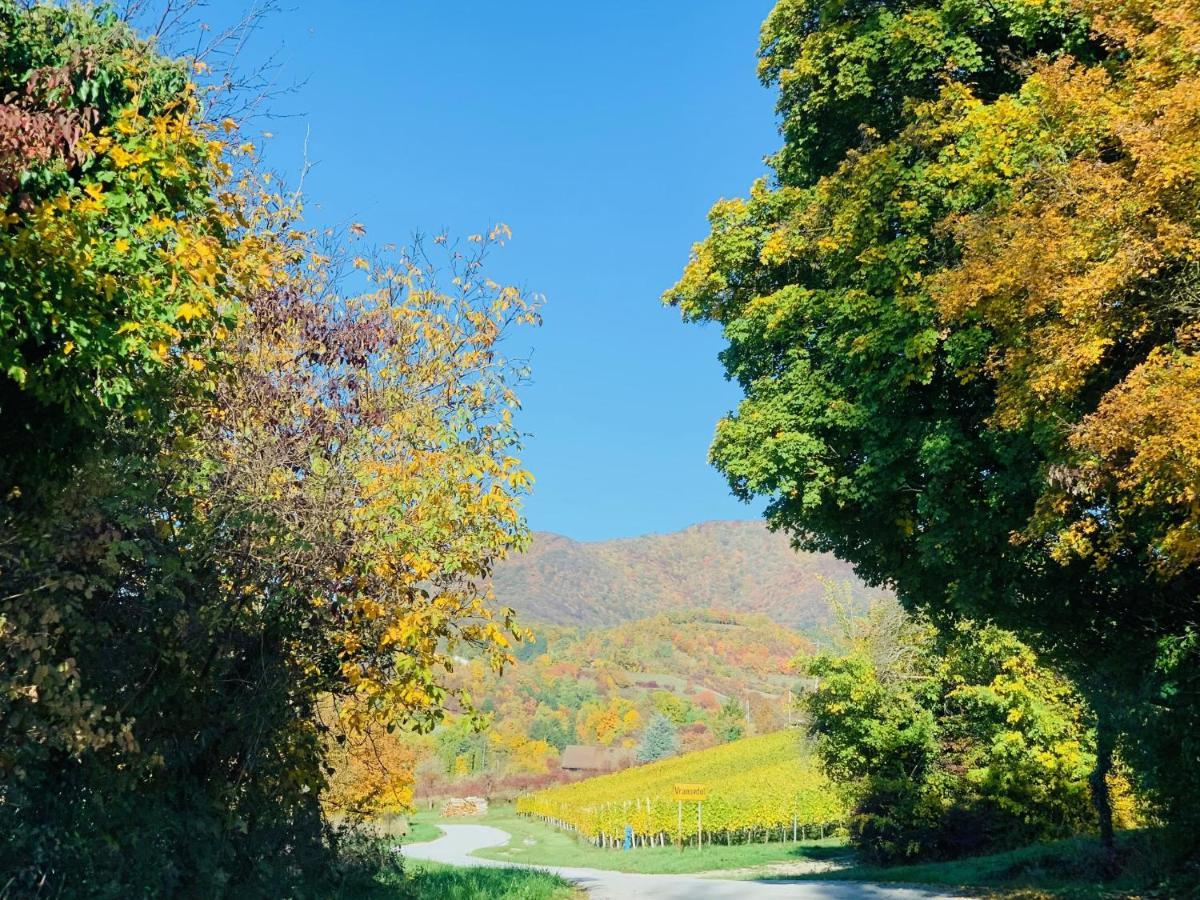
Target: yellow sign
pixel 693 792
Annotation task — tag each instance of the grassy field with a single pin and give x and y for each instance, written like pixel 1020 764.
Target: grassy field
pixel 1064 869
pixel 408 829
pixel 420 831
pixel 433 881
pixel 537 844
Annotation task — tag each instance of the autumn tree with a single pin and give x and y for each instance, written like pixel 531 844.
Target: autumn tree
pixel 373 773
pixel 249 504
pixel 608 723
pixel 674 708
pixel 963 316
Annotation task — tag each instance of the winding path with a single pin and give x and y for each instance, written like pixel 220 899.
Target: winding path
pixel 460 841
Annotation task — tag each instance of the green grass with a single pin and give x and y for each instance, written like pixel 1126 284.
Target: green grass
pixel 421 831
pixel 433 881
pixel 541 845
pixel 1063 869
pixel 408 829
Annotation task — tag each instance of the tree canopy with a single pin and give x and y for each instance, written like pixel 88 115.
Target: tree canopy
pixel 963 316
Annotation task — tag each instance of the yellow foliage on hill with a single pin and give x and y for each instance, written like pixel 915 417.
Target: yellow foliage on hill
pixel 760 784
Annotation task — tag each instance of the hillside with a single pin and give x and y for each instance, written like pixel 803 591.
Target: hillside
pixel 759 785
pixel 737 566
pixel 714 676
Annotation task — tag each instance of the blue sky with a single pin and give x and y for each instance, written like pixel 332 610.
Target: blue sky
pixel 601 133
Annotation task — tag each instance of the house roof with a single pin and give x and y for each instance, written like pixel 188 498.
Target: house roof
pixel 591 759
pixel 577 756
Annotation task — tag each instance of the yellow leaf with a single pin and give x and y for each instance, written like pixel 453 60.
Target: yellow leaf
pixel 121 157
pixel 189 311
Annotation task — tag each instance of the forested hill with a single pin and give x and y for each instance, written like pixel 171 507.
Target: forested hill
pixel 738 566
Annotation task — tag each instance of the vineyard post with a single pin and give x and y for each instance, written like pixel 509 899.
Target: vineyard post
pixel 680 828
pixel 699 831
pixel 793 829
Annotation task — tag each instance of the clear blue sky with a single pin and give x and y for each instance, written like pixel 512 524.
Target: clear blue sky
pixel 601 133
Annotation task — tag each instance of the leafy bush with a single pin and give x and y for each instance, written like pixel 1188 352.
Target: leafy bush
pixel 951 745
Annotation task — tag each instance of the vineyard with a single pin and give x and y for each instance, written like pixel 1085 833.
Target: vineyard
pixel 758 789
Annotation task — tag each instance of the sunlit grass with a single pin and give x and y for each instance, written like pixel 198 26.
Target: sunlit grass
pixel 434 881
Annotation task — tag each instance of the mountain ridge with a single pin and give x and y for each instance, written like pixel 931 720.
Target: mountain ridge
pixel 735 565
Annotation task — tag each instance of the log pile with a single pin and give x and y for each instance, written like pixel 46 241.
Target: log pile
pixel 464 806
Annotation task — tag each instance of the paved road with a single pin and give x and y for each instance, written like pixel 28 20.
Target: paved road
pixel 460 841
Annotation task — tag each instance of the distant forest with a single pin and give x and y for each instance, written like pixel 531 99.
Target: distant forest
pixel 740 566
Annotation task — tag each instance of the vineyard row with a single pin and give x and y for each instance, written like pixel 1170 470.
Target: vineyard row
pixel 758 789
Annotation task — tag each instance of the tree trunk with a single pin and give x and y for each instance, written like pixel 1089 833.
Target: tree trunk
pixel 1098 780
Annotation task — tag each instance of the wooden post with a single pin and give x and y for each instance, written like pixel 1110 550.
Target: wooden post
pixel 699 826
pixel 680 827
pixel 793 829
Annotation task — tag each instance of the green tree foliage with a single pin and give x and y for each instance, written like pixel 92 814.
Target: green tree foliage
pixel 949 746
pixel 110 259
pixel 554 731
pixel 460 745
pixel 850 69
pixel 730 722
pixel 956 376
pixel 677 710
pixel 658 740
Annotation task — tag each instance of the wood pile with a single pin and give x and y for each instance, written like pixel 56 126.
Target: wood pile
pixel 464 806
